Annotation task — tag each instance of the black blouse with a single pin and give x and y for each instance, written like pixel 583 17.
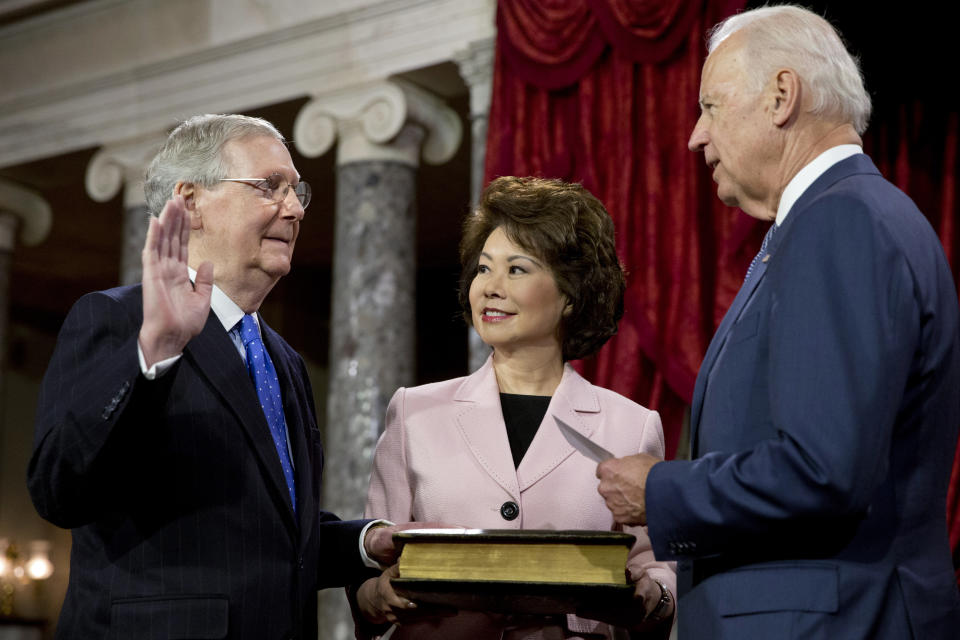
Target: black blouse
pixel 522 415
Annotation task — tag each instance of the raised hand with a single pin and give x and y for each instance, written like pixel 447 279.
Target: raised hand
pixel 174 309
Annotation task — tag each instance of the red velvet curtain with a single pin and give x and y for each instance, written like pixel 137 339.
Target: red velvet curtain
pixel 604 92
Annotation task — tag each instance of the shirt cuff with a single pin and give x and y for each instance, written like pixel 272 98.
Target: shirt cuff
pixel 367 560
pixel 158 368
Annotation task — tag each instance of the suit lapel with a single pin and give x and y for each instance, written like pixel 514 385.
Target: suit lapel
pixel 716 346
pixel 576 403
pixel 479 419
pixel 215 356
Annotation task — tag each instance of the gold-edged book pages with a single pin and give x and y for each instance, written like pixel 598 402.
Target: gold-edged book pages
pixel 572 557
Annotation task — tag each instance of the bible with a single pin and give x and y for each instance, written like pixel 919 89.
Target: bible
pixel 533 571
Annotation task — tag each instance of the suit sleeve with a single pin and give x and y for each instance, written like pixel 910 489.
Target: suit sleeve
pixel 390 495
pixel 94 412
pixel 841 332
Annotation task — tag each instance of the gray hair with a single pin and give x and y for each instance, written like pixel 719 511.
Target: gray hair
pixel 193 153
pixel 793 37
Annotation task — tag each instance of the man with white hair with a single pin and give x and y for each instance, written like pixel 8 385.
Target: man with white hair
pixel 825 413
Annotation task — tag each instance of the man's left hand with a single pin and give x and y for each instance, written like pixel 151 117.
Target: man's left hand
pixel 379 545
pixel 623 484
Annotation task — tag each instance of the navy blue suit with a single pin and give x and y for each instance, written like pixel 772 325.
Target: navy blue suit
pixel 182 523
pixel 823 427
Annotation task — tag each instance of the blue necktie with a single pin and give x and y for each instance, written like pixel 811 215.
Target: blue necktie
pixel 268 392
pixel 762 252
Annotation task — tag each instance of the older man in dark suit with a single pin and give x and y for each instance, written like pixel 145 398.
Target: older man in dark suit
pixel 176 432
pixel 825 413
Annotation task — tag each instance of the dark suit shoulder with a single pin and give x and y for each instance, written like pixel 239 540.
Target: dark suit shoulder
pixel 128 298
pixel 101 318
pixel 131 293
pixel 863 205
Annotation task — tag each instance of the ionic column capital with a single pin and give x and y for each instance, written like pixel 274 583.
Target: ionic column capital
pixel 25 211
pixel 122 165
pixel 369 120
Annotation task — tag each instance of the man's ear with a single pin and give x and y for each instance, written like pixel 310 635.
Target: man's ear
pixel 189 192
pixel 787 94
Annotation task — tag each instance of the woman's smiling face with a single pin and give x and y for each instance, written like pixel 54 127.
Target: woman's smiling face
pixel 514 299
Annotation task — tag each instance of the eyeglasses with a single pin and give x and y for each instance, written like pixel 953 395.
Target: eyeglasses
pixel 276 188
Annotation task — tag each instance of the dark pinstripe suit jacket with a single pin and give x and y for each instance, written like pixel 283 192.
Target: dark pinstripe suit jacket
pixel 182 524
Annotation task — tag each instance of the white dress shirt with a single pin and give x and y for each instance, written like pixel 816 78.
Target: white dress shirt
pixel 808 175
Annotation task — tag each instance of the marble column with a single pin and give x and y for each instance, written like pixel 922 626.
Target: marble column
pixel 24 216
pixel 476 67
pixel 382 129
pixel 123 165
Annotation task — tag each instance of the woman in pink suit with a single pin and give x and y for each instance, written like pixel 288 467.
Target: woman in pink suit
pixel 542 285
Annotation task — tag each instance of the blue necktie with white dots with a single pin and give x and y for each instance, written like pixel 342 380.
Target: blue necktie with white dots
pixel 268 392
pixel 762 252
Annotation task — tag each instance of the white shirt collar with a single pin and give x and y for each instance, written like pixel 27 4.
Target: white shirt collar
pixel 227 311
pixel 808 175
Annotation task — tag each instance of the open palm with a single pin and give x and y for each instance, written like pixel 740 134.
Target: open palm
pixel 174 309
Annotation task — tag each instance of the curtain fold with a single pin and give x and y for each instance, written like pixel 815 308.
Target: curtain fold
pixel 551 43
pixel 649 31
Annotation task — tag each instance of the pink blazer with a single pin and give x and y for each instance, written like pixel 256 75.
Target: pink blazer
pixel 444 456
